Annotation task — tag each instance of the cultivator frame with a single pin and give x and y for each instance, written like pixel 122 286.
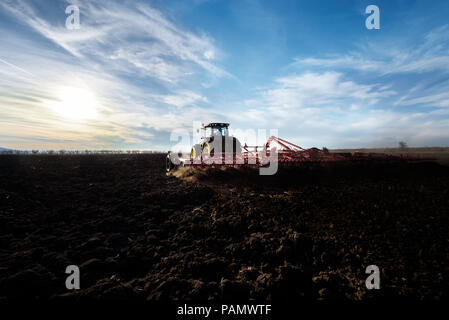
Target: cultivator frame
pixel 287 154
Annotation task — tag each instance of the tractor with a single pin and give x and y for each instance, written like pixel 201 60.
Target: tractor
pixel 218 148
pixel 215 138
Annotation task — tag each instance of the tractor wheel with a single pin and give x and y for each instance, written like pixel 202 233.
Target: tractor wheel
pixel 169 164
pixel 206 149
pixel 196 151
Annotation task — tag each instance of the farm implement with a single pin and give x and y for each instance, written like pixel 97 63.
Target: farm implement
pixel 218 148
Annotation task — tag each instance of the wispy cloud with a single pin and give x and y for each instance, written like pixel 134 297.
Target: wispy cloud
pixel 116 49
pixel 431 55
pixel 149 72
pixel 426 94
pixel 311 94
pixel 328 104
pixel 16 67
pixel 321 89
pixel 331 108
pixel 143 39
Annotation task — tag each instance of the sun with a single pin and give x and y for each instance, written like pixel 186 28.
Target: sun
pixel 73 103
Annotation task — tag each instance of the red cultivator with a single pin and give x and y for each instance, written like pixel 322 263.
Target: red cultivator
pixel 205 154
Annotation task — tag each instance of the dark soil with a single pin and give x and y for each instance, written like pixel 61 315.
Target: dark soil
pixel 306 233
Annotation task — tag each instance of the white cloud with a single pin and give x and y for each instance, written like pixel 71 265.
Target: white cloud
pixel 431 96
pixel 143 40
pixel 114 42
pixel 328 109
pixel 183 98
pixel 329 89
pixel 431 54
pixel 140 65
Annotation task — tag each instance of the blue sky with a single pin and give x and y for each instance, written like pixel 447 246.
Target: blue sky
pixel 137 70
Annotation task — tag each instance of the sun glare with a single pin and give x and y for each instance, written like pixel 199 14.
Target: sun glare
pixel 75 104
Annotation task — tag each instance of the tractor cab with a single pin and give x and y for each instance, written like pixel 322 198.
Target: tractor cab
pixel 215 138
pixel 215 129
